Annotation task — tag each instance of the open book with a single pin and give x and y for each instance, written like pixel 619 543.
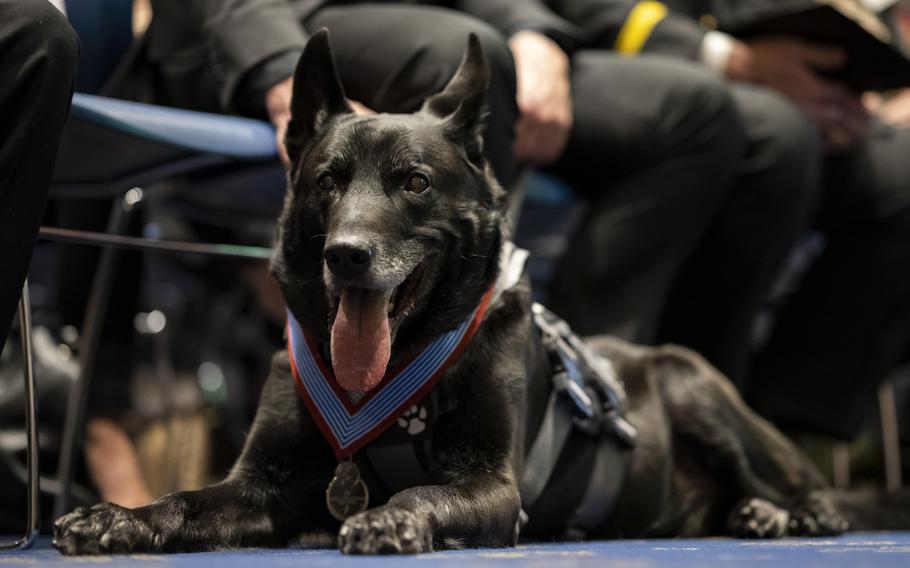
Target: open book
pixel 877 59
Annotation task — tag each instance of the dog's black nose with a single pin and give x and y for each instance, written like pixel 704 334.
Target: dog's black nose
pixel 348 259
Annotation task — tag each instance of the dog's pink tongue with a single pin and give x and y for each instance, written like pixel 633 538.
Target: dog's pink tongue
pixel 361 340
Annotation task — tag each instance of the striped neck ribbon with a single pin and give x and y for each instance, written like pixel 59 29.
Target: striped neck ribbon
pixel 350 424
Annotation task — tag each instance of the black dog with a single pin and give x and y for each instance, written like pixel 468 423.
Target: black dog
pixel 392 236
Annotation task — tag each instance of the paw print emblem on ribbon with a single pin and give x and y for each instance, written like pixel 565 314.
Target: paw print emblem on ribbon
pixel 414 420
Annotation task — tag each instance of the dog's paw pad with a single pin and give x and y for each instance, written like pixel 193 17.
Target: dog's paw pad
pixel 385 530
pixel 757 518
pixel 414 420
pixel 817 517
pixel 103 529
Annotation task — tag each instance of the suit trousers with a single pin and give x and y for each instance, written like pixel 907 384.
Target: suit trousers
pixel 724 285
pixel 37 61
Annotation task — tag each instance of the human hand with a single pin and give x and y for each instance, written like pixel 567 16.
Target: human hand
pixel 278 107
pixel 544 100
pixel 895 110
pixel 791 66
pixel 843 123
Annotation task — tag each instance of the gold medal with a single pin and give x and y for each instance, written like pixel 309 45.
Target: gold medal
pixel 346 494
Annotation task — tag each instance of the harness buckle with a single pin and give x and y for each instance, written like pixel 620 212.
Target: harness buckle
pixel 596 413
pixel 567 384
pixel 578 372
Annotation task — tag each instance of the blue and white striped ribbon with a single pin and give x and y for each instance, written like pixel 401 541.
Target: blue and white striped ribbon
pixel 347 427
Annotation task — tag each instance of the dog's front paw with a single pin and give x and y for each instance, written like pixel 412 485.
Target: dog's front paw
pixel 385 530
pixel 104 529
pixel 757 518
pixel 817 517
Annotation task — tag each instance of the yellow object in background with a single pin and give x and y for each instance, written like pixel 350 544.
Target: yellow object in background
pixel 639 25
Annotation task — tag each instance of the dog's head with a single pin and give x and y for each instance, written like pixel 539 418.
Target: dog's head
pixel 392 223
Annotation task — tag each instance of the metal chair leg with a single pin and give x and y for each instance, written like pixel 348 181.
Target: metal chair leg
pixel 891 443
pixel 33 512
pixel 840 465
pixel 89 342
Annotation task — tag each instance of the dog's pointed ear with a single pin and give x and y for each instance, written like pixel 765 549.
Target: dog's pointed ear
pixel 318 94
pixel 462 103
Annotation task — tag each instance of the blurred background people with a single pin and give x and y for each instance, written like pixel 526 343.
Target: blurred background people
pixel 848 323
pixel 659 151
pixel 239 58
pixel 671 200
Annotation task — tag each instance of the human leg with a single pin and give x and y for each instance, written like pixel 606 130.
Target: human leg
pixel 37 60
pixel 848 323
pixel 713 305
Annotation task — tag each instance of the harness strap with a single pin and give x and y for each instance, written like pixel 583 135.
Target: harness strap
pixel 541 459
pixel 397 465
pixel 603 486
pixel 586 397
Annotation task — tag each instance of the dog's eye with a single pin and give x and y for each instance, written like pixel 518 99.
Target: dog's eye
pixel 326 182
pixel 418 183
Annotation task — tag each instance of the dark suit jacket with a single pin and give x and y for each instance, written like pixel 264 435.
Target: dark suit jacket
pixel 217 55
pixel 601 22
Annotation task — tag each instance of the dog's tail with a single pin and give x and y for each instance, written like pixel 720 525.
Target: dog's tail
pixel 873 510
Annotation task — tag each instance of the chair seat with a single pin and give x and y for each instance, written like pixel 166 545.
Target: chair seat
pixel 138 144
pixel 202 132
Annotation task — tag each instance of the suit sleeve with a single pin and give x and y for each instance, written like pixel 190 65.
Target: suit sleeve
pixel 240 36
pixel 512 16
pixel 631 27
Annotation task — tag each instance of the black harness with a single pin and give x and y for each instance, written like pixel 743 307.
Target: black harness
pixel 586 399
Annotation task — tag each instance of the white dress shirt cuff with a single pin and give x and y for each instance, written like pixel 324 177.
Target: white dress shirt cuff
pixel 716 48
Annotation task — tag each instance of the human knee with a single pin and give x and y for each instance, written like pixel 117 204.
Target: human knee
pixel 697 115
pixel 701 98
pixel 47 33
pixel 701 121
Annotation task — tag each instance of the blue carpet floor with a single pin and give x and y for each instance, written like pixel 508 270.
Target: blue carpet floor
pixel 879 550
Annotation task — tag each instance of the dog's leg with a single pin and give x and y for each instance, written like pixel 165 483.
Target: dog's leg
pixel 479 511
pixel 768 469
pixel 275 491
pixel 476 502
